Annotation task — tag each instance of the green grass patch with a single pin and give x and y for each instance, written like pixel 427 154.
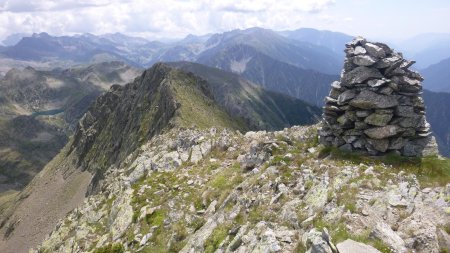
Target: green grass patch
pixel 111 248
pixel 156 218
pixel 430 170
pixel 217 236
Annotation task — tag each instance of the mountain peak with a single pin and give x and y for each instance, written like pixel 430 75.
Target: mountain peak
pixel 41 35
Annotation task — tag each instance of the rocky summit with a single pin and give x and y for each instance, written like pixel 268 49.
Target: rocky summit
pixel 377 107
pixel 214 190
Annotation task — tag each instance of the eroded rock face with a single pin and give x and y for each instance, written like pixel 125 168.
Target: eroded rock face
pixel 377 107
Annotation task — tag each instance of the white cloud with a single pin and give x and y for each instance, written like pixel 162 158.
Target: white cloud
pixel 152 18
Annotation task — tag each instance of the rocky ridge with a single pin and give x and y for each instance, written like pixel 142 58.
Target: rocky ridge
pixel 122 120
pixel 215 190
pixel 377 107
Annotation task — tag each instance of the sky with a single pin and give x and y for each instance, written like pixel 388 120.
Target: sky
pixel 393 20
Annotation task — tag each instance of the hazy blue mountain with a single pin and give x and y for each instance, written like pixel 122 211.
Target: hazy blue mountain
pixel 438 114
pixel 125 40
pixel 427 49
pixel 307 85
pixel 42 46
pixel 437 76
pixel 84 48
pixel 89 48
pixel 335 41
pixel 190 39
pixel 13 39
pixel 301 54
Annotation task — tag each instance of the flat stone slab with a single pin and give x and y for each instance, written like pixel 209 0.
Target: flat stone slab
pixel 367 99
pixel 382 132
pixel 361 74
pixel 350 246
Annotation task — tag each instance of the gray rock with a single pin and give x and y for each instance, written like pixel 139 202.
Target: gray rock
pixel 314 242
pixel 405 111
pixel 397 143
pixel 382 132
pixel 410 122
pixel 378 119
pixel 358 41
pixel 346 96
pixel 346 147
pixel 386 91
pixel 360 125
pixel 196 154
pixel 371 100
pixel 336 85
pixel 334 93
pixel 362 114
pixel 388 62
pixel 350 246
pixel 363 60
pixel 360 74
pixel 443 239
pixel 359 50
pixel 375 50
pixel 384 232
pixel 421 147
pixel 377 82
pixel 379 145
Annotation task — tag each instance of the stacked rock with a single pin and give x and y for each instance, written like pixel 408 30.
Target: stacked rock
pixel 376 107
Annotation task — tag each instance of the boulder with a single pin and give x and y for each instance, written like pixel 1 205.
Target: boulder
pixel 350 246
pixel 315 243
pixel 384 232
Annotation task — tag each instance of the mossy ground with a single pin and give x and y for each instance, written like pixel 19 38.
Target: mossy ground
pixel 430 170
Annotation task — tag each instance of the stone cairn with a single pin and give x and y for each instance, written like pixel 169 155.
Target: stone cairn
pixel 377 107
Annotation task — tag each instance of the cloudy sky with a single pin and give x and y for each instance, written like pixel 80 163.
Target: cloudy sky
pixel 156 19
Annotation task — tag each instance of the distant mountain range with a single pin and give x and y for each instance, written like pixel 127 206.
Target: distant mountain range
pixel 282 62
pixel 88 48
pixel 438 114
pixel 437 76
pixel 334 41
pixel 427 49
pixel 300 63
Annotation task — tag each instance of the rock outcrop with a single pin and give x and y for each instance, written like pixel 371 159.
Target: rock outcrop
pixel 377 106
pixel 258 192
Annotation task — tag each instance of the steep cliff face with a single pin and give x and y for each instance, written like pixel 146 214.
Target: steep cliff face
pixel 39 109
